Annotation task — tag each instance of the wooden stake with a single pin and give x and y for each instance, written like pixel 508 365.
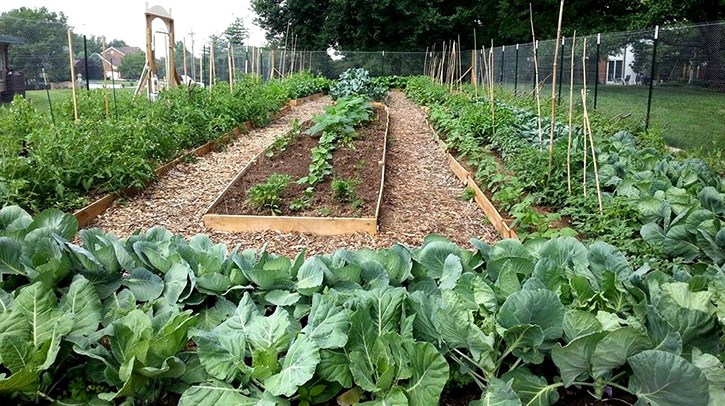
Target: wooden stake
pixel 588 130
pixel 571 112
pixel 536 75
pixel 474 78
pixel 72 75
pixel 460 63
pixel 584 92
pixel 271 63
pixel 105 89
pixel 211 65
pixel 185 57
pixel 553 90
pixel 229 64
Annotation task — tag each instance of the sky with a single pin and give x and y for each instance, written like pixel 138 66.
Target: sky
pixel 125 18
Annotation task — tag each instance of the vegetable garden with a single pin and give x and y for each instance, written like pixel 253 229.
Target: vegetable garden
pixel 615 292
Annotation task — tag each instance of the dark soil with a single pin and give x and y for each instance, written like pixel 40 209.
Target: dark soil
pixel 359 162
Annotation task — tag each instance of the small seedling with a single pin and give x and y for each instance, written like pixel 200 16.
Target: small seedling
pixel 468 194
pixel 343 190
pixel 324 211
pixel 268 195
pixel 299 204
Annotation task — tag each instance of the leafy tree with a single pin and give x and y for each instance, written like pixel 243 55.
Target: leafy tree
pixel 236 33
pixel 47 43
pixel 132 65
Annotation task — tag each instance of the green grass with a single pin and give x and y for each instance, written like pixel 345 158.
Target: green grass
pixel 689 117
pixel 57 96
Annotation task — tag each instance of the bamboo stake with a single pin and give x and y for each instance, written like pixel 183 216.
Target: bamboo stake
pixel 475 64
pixel 553 90
pixel 571 112
pixel 584 91
pixel 234 66
pixel 491 103
pixel 185 57
pixel 588 130
pixel 105 89
pixel 425 60
pixel 443 61
pixel 72 75
pixel 229 65
pixel 460 63
pixel 536 75
pixel 211 65
pixel 271 65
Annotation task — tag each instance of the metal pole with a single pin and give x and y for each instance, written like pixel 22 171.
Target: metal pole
pixel 503 53
pixel 596 70
pixel 561 69
pixel 516 69
pixel 652 76
pixel 85 59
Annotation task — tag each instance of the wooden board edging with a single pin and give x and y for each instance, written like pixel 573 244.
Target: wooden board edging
pixel 288 224
pixel 480 198
pixel 89 213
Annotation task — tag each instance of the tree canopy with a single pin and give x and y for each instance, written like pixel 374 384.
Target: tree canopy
pixel 411 25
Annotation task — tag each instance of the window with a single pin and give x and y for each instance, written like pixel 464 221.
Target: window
pixel 614 70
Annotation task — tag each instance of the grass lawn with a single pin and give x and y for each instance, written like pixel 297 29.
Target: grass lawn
pixel 690 117
pixel 57 96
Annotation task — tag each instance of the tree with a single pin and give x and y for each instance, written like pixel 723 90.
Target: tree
pixel 236 33
pixel 116 43
pixel 132 65
pixel 47 43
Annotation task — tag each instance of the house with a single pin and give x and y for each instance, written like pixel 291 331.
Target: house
pixel 9 84
pixel 112 57
pixel 617 68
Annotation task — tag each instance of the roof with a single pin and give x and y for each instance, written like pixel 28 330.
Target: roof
pixel 9 39
pixel 114 55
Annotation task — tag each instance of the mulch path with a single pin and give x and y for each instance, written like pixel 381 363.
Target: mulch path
pixel 421 196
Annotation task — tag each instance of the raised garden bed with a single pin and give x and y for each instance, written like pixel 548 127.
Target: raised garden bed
pixel 363 164
pixel 89 213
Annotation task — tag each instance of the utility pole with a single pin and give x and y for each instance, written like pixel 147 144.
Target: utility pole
pixel 193 57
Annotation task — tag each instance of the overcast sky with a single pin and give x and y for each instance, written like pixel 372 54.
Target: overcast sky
pixel 124 19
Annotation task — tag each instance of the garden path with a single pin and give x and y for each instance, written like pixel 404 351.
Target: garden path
pixel 421 196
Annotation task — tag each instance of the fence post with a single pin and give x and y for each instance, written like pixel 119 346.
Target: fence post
pixel 596 70
pixel 85 59
pixel 516 69
pixel 503 53
pixel 652 76
pixel 561 69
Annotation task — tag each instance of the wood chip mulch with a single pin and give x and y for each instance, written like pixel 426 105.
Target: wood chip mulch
pixel 421 196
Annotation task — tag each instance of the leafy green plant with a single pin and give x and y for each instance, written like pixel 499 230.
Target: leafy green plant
pixel 357 82
pixel 268 195
pixel 155 313
pixel 343 190
pixel 468 194
pixel 299 204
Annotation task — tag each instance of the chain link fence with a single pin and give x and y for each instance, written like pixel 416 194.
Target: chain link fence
pixel 674 83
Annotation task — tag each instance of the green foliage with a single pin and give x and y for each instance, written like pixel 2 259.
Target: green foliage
pixel 391 82
pixel 44 165
pixel 343 190
pixel 357 82
pixel 268 195
pixel 468 194
pixel 154 313
pixel 335 126
pixel 661 210
pixel 132 65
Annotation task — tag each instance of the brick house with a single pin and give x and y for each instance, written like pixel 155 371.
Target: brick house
pixel 112 57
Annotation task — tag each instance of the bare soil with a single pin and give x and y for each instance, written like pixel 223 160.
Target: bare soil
pixel 358 162
pixel 422 195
